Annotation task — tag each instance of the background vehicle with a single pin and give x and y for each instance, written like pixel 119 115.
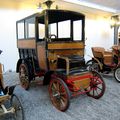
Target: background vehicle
pixel 7 96
pixel 51 44
pixel 105 61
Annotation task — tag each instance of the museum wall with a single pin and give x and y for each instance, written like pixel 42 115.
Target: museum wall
pixel 98 33
pixel 97 29
pixel 8 44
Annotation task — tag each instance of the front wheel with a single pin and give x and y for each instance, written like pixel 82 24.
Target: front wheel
pixel 97 86
pixel 59 94
pixel 117 74
pixel 18 109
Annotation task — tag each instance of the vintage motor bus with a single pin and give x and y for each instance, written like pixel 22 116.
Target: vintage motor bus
pixel 51 44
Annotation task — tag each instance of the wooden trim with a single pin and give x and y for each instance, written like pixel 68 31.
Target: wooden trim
pixel 26 43
pixel 41 53
pixel 55 46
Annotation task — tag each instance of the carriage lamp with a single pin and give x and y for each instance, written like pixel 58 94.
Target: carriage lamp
pixel 115 21
pixel 48 3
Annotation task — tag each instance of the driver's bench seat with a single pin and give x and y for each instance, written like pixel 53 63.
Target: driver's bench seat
pixel 72 64
pixel 100 53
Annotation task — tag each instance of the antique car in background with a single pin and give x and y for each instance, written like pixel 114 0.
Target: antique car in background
pixel 51 44
pixel 106 61
pixel 9 102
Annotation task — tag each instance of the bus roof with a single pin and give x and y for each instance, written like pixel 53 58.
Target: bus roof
pixel 57 15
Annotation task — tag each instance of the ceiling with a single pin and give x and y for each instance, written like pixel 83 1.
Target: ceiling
pixel 115 4
pixel 24 4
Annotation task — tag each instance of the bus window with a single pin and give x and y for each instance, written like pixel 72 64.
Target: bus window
pixel 30 28
pixel 77 30
pixel 41 28
pixel 20 30
pixel 53 29
pixel 64 29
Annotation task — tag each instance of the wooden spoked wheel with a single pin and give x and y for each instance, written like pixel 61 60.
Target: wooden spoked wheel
pixel 97 86
pixel 18 109
pixel 24 76
pixel 59 94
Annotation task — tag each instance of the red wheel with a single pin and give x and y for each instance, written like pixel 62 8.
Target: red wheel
pixel 24 76
pixel 97 86
pixel 59 94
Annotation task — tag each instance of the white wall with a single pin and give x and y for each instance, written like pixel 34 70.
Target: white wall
pixel 8 38
pixel 8 44
pixel 98 33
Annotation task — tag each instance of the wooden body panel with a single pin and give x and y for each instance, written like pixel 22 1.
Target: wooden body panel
pixel 81 81
pixel 63 49
pixel 26 44
pixel 41 53
pixel 65 45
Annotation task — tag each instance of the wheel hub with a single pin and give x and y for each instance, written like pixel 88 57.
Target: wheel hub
pixel 57 95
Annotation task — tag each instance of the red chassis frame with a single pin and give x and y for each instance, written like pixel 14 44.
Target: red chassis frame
pixel 70 82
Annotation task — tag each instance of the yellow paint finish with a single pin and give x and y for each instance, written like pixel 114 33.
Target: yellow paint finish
pixel 71 45
pixel 42 57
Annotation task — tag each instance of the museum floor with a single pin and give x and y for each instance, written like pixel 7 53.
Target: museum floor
pixel 37 105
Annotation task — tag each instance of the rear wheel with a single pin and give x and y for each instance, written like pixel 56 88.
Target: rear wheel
pixel 117 74
pixel 59 94
pixel 18 109
pixel 97 86
pixel 24 76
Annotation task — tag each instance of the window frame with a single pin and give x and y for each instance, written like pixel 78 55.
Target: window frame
pixel 17 32
pixel 27 28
